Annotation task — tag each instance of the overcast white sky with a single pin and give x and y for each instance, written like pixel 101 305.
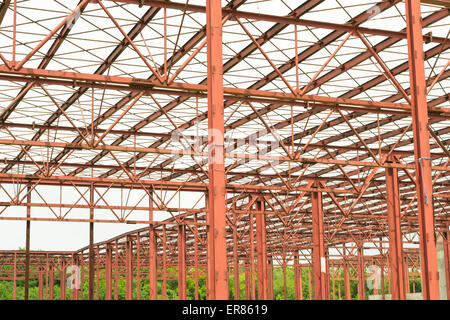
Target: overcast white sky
pixel 74 235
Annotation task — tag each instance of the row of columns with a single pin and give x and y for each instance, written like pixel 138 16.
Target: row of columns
pixel 320 274
pixel 263 266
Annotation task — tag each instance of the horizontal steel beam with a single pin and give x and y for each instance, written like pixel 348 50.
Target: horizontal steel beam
pixel 183 89
pixel 185 152
pixel 142 183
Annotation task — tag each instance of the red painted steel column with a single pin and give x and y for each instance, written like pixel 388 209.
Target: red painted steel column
pixel 261 251
pixel 81 264
pixel 51 283
pixel 97 268
pixel 91 245
pixel 129 269
pixel 298 278
pixel 270 279
pixel 217 250
pixel 327 275
pixel 251 259
pixel 333 281
pixel 446 245
pixel 361 276
pixel 47 268
pixel 153 276
pixel 247 283
pixel 296 293
pixel 347 282
pixel 236 261
pixel 310 282
pixel 284 277
pixel 15 277
pixel 429 265
pixel 153 284
pixel 27 245
pixel 318 255
pixel 40 285
pixel 116 270
pixel 395 235
pixel 182 262
pixel 196 271
pixel 63 281
pixel 108 272
pixel 209 250
pixel 138 266
pixel 406 271
pixel 73 290
pixel 300 282
pixel 389 281
pixel 164 267
pixel 383 296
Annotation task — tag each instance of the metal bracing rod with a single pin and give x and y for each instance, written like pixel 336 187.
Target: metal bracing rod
pixel 324 171
pixel 335 139
pixel 391 99
pixel 3 9
pixel 321 172
pixel 100 70
pixel 394 97
pixel 190 44
pixel 429 20
pixel 267 36
pixel 281 19
pixel 42 65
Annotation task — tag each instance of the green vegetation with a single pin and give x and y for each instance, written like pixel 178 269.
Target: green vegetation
pixel 6 287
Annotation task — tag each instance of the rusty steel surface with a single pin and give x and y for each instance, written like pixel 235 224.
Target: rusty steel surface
pixel 239 136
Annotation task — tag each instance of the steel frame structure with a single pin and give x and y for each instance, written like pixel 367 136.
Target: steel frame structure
pixel 314 137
